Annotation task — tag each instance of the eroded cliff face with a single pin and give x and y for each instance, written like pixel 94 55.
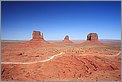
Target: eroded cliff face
pixel 66 39
pixel 92 37
pixel 37 35
pixel 37 40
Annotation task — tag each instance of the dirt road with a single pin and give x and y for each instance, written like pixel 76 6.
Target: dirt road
pixel 52 57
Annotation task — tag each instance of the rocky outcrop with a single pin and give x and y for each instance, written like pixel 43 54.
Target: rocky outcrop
pixel 92 37
pixel 37 35
pixel 66 39
pixel 37 40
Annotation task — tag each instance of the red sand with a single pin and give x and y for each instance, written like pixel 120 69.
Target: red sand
pixel 78 61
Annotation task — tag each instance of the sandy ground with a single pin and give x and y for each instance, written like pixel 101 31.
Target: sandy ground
pixel 34 61
pixel 61 61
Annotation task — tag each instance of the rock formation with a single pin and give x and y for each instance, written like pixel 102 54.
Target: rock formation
pixel 37 35
pixel 92 37
pixel 37 39
pixel 66 39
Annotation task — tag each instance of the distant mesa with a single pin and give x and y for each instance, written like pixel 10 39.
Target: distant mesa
pixel 37 39
pixel 92 37
pixel 37 35
pixel 66 39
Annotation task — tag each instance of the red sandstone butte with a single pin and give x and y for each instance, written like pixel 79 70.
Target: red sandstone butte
pixel 37 39
pixel 92 38
pixel 66 39
pixel 37 35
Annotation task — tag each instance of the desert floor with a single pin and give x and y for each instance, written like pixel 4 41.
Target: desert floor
pixel 61 61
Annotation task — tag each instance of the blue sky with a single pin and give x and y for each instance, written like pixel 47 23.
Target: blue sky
pixel 57 19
